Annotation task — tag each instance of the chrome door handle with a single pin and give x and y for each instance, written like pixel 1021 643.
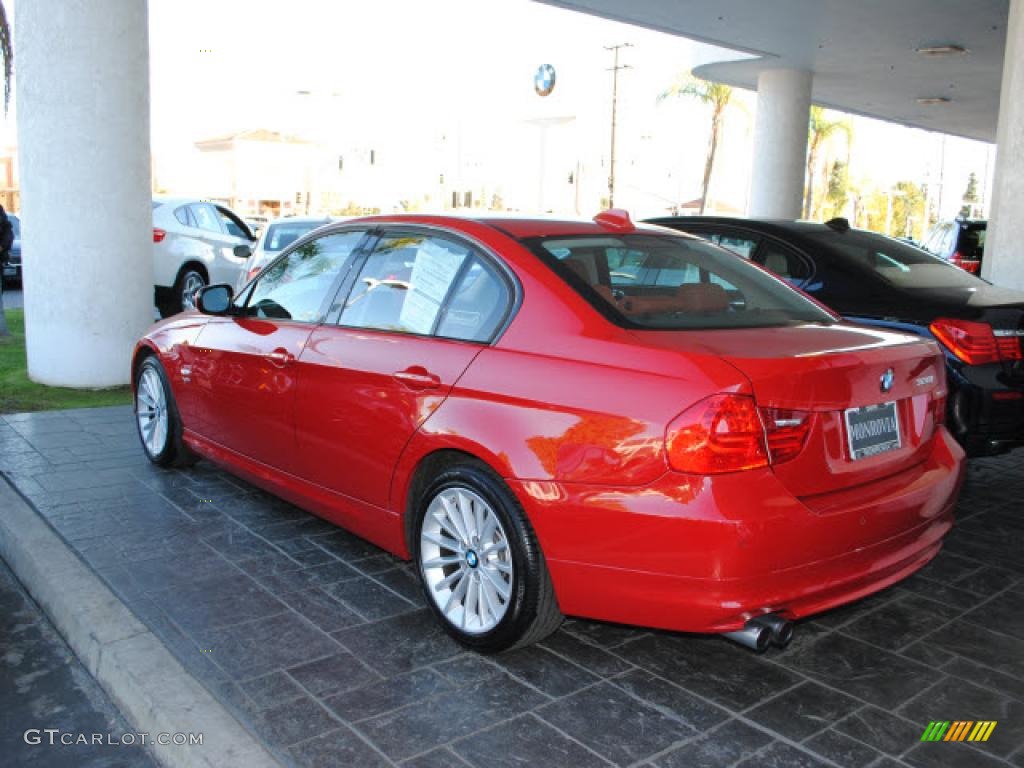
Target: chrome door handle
pixel 280 357
pixel 418 377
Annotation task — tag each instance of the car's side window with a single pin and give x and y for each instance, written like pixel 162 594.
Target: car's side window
pixel 182 215
pixel 788 265
pixel 233 226
pixel 295 286
pixel 409 278
pixel 738 244
pixel 477 306
pixel 206 217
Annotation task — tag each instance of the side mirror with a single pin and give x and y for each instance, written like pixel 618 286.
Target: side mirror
pixel 242 251
pixel 215 299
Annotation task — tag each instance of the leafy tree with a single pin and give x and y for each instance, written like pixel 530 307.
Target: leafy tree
pixel 908 210
pixel 899 211
pixel 716 96
pixel 970 195
pixel 837 193
pixel 821 129
pixel 8 55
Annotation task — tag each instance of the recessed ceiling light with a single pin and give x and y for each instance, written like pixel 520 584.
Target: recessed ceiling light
pixel 929 100
pixel 941 50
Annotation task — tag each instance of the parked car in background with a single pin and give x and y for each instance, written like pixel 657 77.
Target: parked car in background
pixel 12 267
pixel 256 223
pixel 557 417
pixel 875 280
pixel 274 238
pixel 195 242
pixel 960 242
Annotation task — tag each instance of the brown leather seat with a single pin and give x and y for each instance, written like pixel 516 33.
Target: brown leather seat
pixel 581 271
pixel 702 297
pixel 694 298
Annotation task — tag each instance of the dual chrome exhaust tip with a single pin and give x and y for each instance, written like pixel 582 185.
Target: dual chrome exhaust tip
pixel 761 631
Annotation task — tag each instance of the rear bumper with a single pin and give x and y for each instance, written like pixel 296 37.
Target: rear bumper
pixel 705 554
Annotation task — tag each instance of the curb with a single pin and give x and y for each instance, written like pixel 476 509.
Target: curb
pixel 150 687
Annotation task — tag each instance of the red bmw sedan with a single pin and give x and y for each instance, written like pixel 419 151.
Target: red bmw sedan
pixel 597 419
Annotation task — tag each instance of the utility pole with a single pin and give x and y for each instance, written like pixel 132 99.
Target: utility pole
pixel 615 102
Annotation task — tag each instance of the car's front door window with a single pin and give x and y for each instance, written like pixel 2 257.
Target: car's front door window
pixel 296 285
pixel 233 225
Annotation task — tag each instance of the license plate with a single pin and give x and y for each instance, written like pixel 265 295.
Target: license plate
pixel 872 430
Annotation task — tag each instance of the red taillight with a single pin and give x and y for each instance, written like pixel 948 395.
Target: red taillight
pixel 722 433
pixel 1009 347
pixel 976 343
pixel 1007 396
pixel 968 265
pixel 787 432
pixel 159 235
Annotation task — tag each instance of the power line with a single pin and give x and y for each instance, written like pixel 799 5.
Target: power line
pixel 615 102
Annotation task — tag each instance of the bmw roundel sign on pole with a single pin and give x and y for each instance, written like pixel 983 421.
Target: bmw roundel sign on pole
pixel 544 80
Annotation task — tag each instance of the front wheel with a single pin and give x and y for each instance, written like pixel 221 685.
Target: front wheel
pixel 479 562
pixel 157 419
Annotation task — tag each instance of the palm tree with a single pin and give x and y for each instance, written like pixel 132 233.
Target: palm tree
pixel 8 54
pixel 715 95
pixel 821 129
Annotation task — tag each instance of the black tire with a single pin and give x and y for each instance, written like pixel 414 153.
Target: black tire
pixel 189 281
pixel 171 451
pixel 166 307
pixel 532 611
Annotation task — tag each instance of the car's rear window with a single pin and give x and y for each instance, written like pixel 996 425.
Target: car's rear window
pixel 674 283
pixel 894 262
pixel 280 236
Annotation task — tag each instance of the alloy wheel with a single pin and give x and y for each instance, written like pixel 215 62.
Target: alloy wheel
pixel 466 560
pixel 151 411
pixel 191 283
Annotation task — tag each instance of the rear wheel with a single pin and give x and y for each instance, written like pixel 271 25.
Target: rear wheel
pixel 157 419
pixel 479 562
pixel 189 283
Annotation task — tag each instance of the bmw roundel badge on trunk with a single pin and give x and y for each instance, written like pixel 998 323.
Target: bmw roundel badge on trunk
pixel 887 380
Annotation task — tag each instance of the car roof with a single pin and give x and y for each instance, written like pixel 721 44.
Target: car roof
pixel 303 220
pixel 519 228
pixel 770 226
pixel 185 200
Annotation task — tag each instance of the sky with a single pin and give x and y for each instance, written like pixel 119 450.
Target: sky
pixel 399 75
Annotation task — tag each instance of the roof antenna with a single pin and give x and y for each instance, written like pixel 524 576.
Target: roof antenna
pixel 615 218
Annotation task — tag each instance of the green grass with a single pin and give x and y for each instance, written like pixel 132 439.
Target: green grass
pixel 18 394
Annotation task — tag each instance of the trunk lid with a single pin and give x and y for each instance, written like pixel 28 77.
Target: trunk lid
pixel 827 370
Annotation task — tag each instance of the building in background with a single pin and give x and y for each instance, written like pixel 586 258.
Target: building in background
pixel 10 196
pixel 258 172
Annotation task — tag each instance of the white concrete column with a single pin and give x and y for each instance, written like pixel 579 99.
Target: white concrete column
pixel 780 143
pixel 83 142
pixel 1004 257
